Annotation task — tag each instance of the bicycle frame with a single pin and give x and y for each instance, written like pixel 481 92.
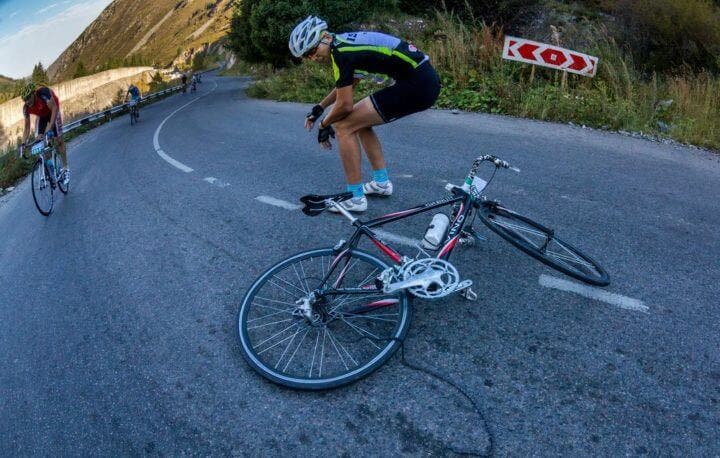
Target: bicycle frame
pixel 364 228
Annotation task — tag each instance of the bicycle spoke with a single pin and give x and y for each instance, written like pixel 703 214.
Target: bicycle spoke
pixel 269 315
pixel 362 332
pixel 273 336
pixel 270 324
pixel 287 348
pixel 296 350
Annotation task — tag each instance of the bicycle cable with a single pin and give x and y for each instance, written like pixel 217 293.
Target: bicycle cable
pixel 436 375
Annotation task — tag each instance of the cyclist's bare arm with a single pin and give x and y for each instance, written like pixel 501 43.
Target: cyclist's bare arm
pixel 343 106
pixel 53 115
pixel 26 130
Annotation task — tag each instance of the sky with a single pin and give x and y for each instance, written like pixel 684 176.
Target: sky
pixel 33 31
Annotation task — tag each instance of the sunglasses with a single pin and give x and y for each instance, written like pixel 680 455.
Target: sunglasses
pixel 314 50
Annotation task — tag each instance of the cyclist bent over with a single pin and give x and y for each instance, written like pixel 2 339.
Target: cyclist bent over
pixel 354 56
pixel 134 94
pixel 42 102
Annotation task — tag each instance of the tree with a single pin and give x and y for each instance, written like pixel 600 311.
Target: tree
pixel 39 75
pixel 80 70
pixel 260 29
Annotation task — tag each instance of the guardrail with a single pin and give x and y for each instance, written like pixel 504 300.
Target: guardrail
pixel 67 128
pixel 108 112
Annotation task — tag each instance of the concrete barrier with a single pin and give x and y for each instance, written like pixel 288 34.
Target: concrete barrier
pixel 77 97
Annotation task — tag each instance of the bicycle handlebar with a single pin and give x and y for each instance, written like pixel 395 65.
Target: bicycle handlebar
pixel 499 163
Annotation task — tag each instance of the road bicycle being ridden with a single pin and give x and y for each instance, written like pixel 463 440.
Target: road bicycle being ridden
pixel 327 317
pixel 47 174
pixel 134 111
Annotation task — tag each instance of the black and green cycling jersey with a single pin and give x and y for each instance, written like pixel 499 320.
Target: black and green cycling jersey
pixel 358 54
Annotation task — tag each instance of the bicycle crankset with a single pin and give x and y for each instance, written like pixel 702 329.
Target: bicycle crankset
pixel 428 278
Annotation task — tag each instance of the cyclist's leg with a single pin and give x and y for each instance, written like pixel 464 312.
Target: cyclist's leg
pixel 363 116
pixel 373 149
pixel 59 142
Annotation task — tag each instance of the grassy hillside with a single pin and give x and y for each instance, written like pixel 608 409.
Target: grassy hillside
pixel 137 32
pixel 683 105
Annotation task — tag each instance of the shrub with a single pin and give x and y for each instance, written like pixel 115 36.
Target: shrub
pixel 260 29
pixel 669 34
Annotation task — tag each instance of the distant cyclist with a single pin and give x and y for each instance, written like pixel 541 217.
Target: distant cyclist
pixel 42 102
pixel 133 93
pixel 354 56
pixel 193 83
pixel 183 78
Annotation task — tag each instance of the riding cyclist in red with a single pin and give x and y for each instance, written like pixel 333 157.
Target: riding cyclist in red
pixel 354 56
pixel 42 102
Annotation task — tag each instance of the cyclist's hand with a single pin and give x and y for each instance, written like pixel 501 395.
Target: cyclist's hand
pixel 311 117
pixel 324 134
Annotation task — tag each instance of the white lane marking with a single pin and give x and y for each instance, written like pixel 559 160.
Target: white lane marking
pixel 278 203
pixel 405 175
pixel 624 302
pixel 216 182
pixel 389 236
pixel 402 240
pixel 156 138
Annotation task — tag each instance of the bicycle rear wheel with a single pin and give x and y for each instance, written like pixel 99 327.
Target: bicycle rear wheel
pixel 542 244
pixel 132 116
pixel 353 328
pixel 42 189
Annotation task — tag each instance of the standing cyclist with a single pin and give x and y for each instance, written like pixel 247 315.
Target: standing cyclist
pixel 354 56
pixel 42 102
pixel 134 93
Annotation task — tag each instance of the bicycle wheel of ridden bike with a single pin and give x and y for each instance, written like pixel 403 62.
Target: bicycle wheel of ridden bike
pixel 542 244
pixel 353 327
pixel 61 182
pixel 42 190
pixel 132 116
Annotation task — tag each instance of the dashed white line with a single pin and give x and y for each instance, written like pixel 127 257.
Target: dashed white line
pixel 404 175
pixel 216 182
pixel 278 203
pixel 624 302
pixel 389 236
pixel 156 138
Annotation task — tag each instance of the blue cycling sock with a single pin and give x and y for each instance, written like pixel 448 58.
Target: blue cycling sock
pixel 380 176
pixel 356 189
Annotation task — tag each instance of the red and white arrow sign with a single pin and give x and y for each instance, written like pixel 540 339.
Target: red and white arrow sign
pixel 546 55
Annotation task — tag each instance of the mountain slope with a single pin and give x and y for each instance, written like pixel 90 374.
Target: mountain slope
pixel 134 32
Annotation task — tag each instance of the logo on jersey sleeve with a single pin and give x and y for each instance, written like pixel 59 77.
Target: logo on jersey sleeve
pixel 412 47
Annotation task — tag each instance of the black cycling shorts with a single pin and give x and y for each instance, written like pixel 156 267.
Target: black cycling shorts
pixel 408 96
pixel 57 127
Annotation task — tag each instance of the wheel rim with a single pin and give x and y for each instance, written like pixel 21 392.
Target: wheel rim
pixel 551 250
pixel 42 189
pixel 347 336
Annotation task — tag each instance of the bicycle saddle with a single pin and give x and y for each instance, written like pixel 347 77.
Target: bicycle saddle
pixel 315 204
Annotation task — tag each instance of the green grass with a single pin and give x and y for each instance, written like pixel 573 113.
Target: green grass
pixel 476 78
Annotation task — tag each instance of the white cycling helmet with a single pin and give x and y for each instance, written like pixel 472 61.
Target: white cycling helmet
pixel 306 35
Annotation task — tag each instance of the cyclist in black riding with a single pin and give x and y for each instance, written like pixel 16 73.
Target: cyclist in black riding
pixel 355 56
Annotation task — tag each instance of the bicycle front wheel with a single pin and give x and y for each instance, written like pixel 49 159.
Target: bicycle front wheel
pixel 299 332
pixel 542 244
pixel 42 189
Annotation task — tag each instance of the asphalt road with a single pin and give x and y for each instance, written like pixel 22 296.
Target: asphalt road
pixel 117 313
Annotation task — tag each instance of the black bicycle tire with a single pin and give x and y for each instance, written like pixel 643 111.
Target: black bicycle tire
pixel 393 345
pixel 132 117
pixel 32 184
pixel 602 280
pixel 64 188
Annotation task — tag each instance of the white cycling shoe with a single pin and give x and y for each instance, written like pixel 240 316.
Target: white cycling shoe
pixel 372 188
pixel 356 204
